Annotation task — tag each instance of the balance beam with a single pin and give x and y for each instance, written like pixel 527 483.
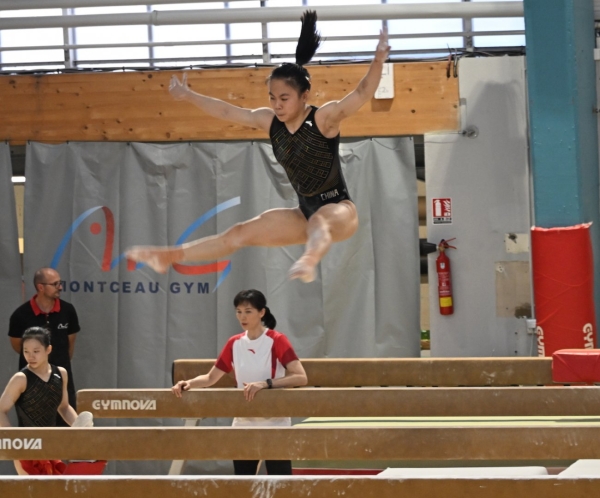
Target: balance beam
pixel 525 443
pixel 292 487
pixel 344 402
pixel 441 372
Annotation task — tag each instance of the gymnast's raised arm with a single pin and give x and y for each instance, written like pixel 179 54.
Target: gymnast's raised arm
pixel 255 118
pixel 329 116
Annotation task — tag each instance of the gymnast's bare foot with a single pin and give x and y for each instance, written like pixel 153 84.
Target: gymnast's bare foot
pixel 303 270
pixel 157 258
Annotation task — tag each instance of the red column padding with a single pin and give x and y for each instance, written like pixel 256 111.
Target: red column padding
pixel 563 282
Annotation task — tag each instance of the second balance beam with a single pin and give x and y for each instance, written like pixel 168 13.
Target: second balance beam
pixel 495 442
pixel 344 402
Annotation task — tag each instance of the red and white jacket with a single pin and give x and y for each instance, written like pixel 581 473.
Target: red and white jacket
pixel 255 360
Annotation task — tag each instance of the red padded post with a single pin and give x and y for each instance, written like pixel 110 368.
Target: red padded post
pixel 563 280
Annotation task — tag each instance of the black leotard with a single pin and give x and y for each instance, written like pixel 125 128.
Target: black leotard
pixel 38 404
pixel 312 163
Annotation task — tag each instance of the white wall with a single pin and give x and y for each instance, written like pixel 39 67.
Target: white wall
pixel 487 178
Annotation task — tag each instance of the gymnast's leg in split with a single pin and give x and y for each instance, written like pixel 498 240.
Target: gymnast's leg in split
pixel 274 228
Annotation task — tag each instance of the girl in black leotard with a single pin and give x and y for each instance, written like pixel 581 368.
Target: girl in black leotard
pixel 39 392
pixel 305 141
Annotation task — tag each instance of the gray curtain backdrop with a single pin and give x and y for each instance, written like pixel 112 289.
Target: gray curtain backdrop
pixel 364 303
pixel 10 275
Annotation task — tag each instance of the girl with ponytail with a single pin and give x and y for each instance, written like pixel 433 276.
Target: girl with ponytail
pixel 305 142
pixel 260 358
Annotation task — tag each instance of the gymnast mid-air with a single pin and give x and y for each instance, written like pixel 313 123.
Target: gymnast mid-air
pixel 305 142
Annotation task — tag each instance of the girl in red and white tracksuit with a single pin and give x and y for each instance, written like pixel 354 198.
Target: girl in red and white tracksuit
pixel 261 358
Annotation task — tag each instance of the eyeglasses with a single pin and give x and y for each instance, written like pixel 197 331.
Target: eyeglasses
pixel 56 284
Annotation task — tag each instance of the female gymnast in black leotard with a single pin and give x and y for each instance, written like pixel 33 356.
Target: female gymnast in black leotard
pixel 39 392
pixel 305 141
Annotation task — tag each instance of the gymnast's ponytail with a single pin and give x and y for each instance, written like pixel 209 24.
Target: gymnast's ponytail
pixel 269 319
pixel 309 40
pixel 258 301
pixel 308 43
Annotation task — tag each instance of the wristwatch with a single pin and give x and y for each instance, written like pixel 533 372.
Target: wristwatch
pixel 269 383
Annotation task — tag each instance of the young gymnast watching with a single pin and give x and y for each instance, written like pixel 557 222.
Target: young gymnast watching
pixel 39 392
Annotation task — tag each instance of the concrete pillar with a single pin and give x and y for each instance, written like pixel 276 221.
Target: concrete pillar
pixel 563 125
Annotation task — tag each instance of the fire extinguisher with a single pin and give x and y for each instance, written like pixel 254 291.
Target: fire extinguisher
pixel 442 266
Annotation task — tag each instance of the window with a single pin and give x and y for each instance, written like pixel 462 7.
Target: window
pixel 142 44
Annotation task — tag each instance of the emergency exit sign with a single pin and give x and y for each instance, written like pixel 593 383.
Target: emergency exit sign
pixel 442 211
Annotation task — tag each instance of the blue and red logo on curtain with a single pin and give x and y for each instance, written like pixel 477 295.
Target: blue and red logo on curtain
pixel 109 262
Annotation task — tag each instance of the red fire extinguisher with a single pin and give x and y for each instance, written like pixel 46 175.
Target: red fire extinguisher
pixel 442 266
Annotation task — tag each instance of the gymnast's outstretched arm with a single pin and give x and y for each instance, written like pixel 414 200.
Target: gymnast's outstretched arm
pixel 256 118
pixel 330 115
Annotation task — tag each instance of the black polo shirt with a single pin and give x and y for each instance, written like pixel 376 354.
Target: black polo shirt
pixel 61 320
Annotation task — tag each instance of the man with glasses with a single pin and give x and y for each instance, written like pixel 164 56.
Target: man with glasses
pixel 46 309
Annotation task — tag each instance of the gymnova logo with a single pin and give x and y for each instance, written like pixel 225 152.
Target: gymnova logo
pixel 124 404
pixel 588 338
pixel 21 444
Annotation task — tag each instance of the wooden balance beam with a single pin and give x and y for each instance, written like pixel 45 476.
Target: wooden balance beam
pixel 524 443
pixel 293 487
pixel 344 402
pixel 441 372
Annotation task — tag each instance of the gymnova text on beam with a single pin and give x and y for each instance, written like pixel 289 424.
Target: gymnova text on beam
pixel 20 444
pixel 124 404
